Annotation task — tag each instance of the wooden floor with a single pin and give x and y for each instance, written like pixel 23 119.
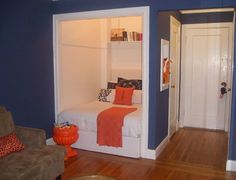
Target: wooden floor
pixel 191 154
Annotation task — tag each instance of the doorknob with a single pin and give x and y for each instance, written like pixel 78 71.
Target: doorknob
pixel 223 89
pixel 172 86
pixel 223 84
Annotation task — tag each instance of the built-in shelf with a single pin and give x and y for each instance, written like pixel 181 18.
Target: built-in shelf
pixel 125 44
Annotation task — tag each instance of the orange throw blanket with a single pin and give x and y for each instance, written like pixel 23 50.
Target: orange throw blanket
pixel 109 126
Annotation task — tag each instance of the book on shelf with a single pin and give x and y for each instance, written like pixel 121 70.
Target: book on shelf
pixel 125 36
pixel 120 34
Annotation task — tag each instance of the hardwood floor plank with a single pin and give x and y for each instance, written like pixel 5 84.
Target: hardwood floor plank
pixel 191 154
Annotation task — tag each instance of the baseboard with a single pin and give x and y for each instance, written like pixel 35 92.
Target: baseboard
pixel 153 154
pixel 50 141
pixel 162 146
pixel 231 165
pixel 149 154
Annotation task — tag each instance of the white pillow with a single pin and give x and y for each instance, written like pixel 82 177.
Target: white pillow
pixel 111 96
pixel 136 98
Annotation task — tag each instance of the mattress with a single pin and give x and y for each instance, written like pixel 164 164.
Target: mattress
pixel 85 117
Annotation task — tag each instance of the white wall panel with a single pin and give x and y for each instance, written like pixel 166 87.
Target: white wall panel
pixel 80 62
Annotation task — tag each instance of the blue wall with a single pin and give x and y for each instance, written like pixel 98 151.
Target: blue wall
pixel 26 62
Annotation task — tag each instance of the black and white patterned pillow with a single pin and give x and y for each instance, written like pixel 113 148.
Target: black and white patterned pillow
pixel 102 96
pixel 111 85
pixel 135 83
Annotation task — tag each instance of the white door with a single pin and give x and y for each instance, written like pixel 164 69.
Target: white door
pixel 206 63
pixel 175 26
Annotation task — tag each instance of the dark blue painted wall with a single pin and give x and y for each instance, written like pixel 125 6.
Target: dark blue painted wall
pixel 26 62
pixel 207 17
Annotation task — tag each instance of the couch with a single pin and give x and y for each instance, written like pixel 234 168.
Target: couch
pixel 37 161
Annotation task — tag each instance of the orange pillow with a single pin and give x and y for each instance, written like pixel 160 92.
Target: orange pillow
pixel 123 96
pixel 10 143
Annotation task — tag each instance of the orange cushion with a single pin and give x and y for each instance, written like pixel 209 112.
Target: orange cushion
pixel 123 96
pixel 10 143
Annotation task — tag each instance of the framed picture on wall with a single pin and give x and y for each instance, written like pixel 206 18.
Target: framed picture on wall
pixel 165 65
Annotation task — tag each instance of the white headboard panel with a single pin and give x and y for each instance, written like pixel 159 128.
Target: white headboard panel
pixel 126 73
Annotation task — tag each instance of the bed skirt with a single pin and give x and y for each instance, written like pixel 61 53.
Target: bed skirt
pixel 88 141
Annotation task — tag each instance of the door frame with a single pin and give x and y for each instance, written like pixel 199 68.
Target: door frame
pixel 144 12
pixel 228 25
pixel 173 20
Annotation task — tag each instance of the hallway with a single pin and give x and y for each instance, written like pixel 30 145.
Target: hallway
pixel 199 147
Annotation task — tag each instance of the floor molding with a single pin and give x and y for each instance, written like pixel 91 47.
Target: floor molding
pixel 149 154
pixel 162 146
pixel 231 165
pixel 154 153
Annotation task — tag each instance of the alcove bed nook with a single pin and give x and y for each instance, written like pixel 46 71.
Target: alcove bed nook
pixel 95 56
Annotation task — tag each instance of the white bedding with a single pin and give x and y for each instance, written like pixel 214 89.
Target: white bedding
pixel 85 117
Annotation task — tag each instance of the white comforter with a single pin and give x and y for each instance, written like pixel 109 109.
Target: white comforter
pixel 85 117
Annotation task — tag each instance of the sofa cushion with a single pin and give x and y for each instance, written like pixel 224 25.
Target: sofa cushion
pixel 9 144
pixel 33 163
pixel 6 124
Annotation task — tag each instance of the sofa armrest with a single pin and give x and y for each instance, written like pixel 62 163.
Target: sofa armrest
pixel 31 137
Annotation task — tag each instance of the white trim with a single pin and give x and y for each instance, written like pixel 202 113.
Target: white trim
pixel 134 11
pixel 162 146
pixel 172 22
pixel 206 10
pixel 149 154
pixel 153 154
pixel 50 141
pixel 55 66
pixel 230 78
pixel 231 165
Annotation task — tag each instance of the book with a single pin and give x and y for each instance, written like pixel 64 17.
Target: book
pixel 125 36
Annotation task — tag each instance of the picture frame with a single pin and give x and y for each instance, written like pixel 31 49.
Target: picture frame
pixel 165 65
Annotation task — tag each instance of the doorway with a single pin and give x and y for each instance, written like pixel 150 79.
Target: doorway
pixel 206 64
pixel 206 57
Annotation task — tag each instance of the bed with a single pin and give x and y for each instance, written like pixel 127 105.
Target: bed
pixel 85 117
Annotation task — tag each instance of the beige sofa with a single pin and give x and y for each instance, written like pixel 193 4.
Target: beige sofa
pixel 37 161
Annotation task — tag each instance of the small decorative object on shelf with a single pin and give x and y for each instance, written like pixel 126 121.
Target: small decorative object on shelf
pixel 66 134
pixel 120 34
pixel 117 34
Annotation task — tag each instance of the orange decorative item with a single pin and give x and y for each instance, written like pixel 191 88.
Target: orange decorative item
pixel 66 136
